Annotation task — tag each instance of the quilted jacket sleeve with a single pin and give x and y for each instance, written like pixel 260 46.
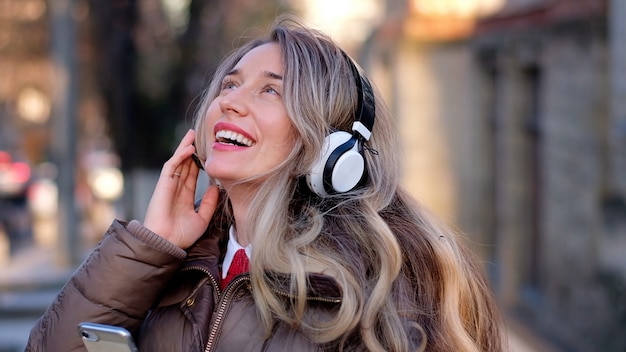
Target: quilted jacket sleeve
pixel 116 285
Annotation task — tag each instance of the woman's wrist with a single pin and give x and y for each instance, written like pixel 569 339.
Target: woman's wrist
pixel 155 240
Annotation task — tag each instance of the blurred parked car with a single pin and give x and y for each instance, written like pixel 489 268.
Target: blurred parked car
pixel 15 217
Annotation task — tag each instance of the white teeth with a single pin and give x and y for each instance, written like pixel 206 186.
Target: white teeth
pixel 233 136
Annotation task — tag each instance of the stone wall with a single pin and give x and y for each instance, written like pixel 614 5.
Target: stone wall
pixel 513 135
pixel 552 172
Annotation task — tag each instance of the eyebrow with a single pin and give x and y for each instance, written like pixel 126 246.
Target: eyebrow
pixel 272 75
pixel 268 74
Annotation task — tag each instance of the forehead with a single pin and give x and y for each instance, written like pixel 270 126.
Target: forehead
pixel 265 57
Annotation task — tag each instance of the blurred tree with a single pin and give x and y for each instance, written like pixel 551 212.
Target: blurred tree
pixel 152 71
pixel 112 26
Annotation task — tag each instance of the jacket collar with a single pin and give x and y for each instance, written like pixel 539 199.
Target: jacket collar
pixel 320 287
pixel 207 253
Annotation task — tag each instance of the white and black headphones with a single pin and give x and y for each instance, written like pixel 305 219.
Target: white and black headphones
pixel 341 166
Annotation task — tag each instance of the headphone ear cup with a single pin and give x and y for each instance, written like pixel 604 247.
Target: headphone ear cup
pixel 340 167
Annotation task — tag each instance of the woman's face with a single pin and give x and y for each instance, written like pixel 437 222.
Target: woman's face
pixel 249 131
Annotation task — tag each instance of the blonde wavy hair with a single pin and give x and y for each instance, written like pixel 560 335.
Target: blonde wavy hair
pixel 406 282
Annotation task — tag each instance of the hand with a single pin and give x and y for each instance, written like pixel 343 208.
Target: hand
pixel 171 212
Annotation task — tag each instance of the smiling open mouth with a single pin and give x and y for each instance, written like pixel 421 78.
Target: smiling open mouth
pixel 234 138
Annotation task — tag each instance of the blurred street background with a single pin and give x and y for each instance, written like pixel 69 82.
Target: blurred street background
pixel 512 116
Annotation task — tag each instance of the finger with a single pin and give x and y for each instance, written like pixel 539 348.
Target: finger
pixel 192 173
pixel 182 151
pixel 188 180
pixel 209 203
pixel 189 169
pixel 175 166
pixel 187 140
pixel 194 166
pixel 184 168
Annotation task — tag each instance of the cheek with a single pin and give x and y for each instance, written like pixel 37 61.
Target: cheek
pixel 288 141
pixel 213 112
pixel 211 116
pixel 283 123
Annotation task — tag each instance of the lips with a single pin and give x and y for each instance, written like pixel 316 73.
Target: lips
pixel 230 134
pixel 232 137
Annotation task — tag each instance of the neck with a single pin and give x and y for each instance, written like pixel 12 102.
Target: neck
pixel 240 197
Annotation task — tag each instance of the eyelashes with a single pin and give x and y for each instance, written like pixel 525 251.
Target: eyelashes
pixel 228 84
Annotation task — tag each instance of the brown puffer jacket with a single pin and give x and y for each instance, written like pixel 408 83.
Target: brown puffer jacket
pixel 169 299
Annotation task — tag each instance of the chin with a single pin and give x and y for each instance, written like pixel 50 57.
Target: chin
pixel 220 177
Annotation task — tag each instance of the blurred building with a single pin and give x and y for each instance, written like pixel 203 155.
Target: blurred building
pixel 25 105
pixel 25 88
pixel 25 69
pixel 556 139
pixel 46 121
pixel 514 124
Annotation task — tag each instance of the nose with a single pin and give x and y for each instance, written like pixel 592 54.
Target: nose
pixel 236 101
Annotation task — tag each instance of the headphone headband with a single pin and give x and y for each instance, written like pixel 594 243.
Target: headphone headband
pixel 366 107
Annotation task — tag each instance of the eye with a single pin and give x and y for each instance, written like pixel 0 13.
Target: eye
pixel 228 84
pixel 270 89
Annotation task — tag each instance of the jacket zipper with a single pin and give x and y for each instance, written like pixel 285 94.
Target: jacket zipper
pixel 222 305
pixel 318 299
pixel 225 300
pixel 221 311
pixel 208 273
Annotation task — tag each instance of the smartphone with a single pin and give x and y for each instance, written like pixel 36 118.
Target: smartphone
pixel 106 338
pixel 196 159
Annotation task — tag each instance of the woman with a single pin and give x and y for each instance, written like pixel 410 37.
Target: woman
pixel 340 257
